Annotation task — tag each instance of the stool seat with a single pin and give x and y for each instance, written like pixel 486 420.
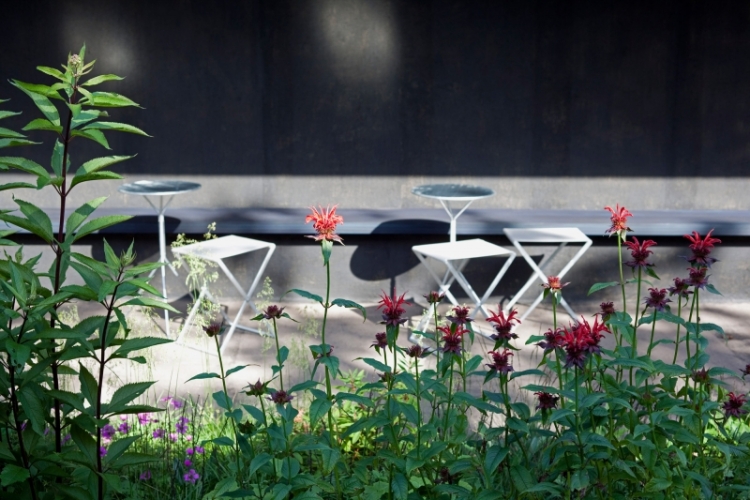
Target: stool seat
pixel 464 249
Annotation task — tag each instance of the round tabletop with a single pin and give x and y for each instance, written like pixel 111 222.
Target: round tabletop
pixel 158 188
pixel 453 192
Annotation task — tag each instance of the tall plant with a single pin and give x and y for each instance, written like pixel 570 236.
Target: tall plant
pixel 37 348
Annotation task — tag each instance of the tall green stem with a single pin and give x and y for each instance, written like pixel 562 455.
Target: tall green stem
pixel 557 352
pixel 231 418
pixel 278 354
pixel 677 337
pixel 653 330
pixel 622 277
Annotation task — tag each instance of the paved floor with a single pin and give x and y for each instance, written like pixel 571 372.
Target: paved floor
pixel 172 365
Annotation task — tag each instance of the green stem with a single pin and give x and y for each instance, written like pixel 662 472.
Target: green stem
pixel 450 397
pixel 278 355
pixel 677 337
pixel 687 344
pixel 622 277
pixel 557 352
pixel 419 408
pixel 231 418
pixel 653 330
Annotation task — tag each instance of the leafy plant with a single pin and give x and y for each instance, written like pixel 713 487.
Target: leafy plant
pixel 37 348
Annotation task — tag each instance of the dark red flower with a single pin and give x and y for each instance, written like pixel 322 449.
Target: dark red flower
pixel 619 220
pixel 392 310
pixel 452 338
pixel 501 362
pixel 214 329
pixel 581 340
pixel 547 401
pixel 256 389
pixel 417 351
pixel 460 316
pixel 445 477
pixel 698 277
pixel 607 310
pixel 273 312
pixel 733 407
pixel 701 376
pixel 281 397
pixel 434 297
pixel 657 299
pixel 324 222
pixel 552 340
pixel 381 341
pixel 503 325
pixel 640 252
pixel 702 248
pixel 681 287
pixel 745 371
pixel 553 284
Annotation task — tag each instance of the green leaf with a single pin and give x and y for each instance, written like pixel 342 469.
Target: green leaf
pixel 145 301
pixel 318 408
pixel 49 91
pixel 69 398
pixel 521 478
pixel 37 216
pixel 86 116
pixel 89 387
pixel 259 461
pixel 235 370
pixel 376 364
pixel 99 224
pixel 222 400
pixel 350 304
pixel 330 457
pixel 110 100
pixel 13 474
pixel 712 289
pixel 57 158
pixel 657 484
pixel 43 124
pixel 28 166
pixel 601 286
pixel 6 132
pixel 494 457
pixel 133 458
pixel 86 444
pixel 96 176
pixel 19 353
pixel 41 101
pixel 33 407
pixel 400 487
pixel 126 394
pixel 9 143
pixel 204 375
pixel 301 293
pixel 93 135
pixel 7 114
pixel 52 72
pixel 354 398
pixel 101 79
pixel 81 214
pixel 138 343
pixel 118 127
pixel 118 447
pixel 16 185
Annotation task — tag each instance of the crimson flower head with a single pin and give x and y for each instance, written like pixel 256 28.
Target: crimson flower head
pixel 460 316
pixel 503 325
pixel 619 220
pixel 607 310
pixel 417 351
pixel 256 389
pixel 581 340
pixel 547 401
pixel 324 222
pixel 453 338
pixel 698 277
pixel 214 329
pixel 281 397
pixel 434 297
pixel 701 248
pixel 392 310
pixel 681 288
pixel 701 376
pixel 640 252
pixel 553 284
pixel 552 340
pixel 501 362
pixel 273 312
pixel 381 341
pixel 657 299
pixel 733 407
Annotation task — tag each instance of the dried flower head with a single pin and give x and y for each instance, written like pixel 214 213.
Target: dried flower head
pixel 324 222
pixel 256 389
pixel 701 376
pixel 381 341
pixel 417 351
pixel 607 310
pixel 698 277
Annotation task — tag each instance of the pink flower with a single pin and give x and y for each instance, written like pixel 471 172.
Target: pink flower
pixel 144 418
pixel 640 252
pixel 553 284
pixel 191 476
pixel 581 340
pixel 392 309
pixel 619 220
pixel 324 223
pixel 501 362
pixel 157 434
pixel 145 475
pixel 701 248
pixel 182 425
pixel 733 407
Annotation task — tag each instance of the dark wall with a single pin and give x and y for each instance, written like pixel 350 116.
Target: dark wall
pixel 359 87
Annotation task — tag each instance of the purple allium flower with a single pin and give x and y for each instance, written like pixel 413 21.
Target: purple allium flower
pixel 102 451
pixel 23 425
pixel 501 362
pixel 191 476
pixel 547 401
pixel 108 432
pixel 124 428
pixel 145 475
pixel 158 433
pixel 189 451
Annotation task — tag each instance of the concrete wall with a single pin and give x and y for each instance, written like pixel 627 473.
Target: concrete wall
pixel 281 103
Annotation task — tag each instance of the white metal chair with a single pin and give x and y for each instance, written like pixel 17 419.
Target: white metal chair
pixel 560 236
pixel 216 250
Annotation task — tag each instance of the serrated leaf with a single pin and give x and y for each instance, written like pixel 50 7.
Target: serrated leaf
pixel 521 478
pixel 89 387
pixel 41 101
pixel 110 100
pixel 307 295
pixel 43 124
pixel 126 394
pixel 81 214
pixel 99 224
pixel 33 407
pixel 204 375
pixel 85 116
pixel 350 304
pixel 400 487
pixel 13 474
pixel 17 185
pixel 6 132
pixel 57 158
pixel 56 73
pixel 149 302
pixel 318 408
pixel 222 400
pixel 101 79
pixel 601 286
pixel 8 114
pixel 493 458
pixel 10 143
pixel 25 165
pixel 259 461
pixel 94 135
pixel 118 127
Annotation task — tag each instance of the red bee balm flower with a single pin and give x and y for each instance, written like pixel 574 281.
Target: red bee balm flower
pixel 546 401
pixel 733 407
pixel 552 340
pixel 501 361
pixel 452 338
pixel 619 220
pixel 460 316
pixel 657 299
pixel 702 248
pixel 325 222
pixel 640 253
pixel 392 309
pixel 503 325
pixel 553 284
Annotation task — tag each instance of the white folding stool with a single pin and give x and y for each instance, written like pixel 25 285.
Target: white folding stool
pixel 461 252
pixel 560 235
pixel 216 250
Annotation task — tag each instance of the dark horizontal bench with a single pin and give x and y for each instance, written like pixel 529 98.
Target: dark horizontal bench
pixel 425 221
